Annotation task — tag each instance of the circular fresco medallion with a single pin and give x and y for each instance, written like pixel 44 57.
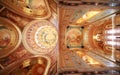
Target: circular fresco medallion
pixel 40 37
pixel 10 37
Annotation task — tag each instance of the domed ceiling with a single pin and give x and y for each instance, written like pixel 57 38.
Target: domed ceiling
pixel 38 37
pixel 28 36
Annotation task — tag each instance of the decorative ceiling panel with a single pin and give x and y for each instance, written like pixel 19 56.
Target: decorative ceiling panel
pixel 35 9
pixel 37 65
pixel 84 17
pixel 74 37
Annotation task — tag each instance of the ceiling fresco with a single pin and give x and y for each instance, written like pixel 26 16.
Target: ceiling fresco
pixel 8 31
pixel 59 37
pixel 95 22
pixel 40 37
pixel 29 8
pixel 86 16
pixel 74 36
pixel 40 66
pixel 30 31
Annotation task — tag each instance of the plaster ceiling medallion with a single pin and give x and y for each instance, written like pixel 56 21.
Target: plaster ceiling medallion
pixel 10 37
pixel 40 37
pixel 34 9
